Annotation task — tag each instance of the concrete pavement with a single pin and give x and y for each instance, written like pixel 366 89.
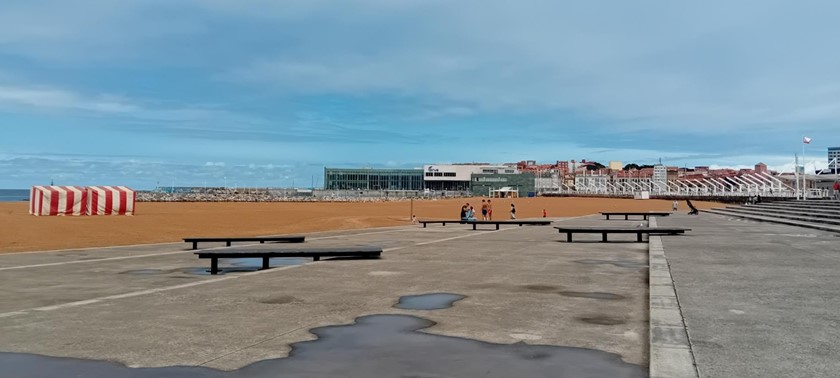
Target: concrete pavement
pixel 150 306
pixel 759 299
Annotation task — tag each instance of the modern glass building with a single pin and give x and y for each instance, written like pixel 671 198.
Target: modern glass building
pixel 372 179
pixel 834 159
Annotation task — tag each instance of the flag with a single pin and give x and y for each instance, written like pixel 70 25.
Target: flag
pixel 806 140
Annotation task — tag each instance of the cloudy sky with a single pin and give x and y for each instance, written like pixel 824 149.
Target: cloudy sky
pixel 209 91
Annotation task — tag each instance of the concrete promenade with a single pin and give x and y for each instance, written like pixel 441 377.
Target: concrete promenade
pixel 739 298
pixel 154 305
pixel 759 299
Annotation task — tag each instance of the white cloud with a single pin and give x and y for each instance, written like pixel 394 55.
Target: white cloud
pixel 43 97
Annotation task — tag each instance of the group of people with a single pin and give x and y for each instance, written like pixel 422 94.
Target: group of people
pixel 468 212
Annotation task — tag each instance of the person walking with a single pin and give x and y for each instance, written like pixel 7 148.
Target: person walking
pixel 489 210
pixel 545 214
pixel 512 211
pixel 483 210
pixel 836 189
pixel 675 205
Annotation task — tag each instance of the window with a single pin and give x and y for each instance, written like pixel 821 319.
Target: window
pixel 448 174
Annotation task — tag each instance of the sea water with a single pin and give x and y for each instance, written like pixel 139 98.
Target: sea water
pixel 12 195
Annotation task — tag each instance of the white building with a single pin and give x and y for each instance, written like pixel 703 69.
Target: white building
pixel 456 177
pixel 834 159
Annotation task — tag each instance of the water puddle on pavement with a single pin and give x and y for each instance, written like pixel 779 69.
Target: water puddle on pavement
pixel 619 263
pixel 434 301
pixel 376 345
pixel 592 295
pixel 245 265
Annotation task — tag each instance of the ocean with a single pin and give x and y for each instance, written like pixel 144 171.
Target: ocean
pixel 12 195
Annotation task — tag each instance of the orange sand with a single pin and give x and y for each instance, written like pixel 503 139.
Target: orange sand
pixel 170 222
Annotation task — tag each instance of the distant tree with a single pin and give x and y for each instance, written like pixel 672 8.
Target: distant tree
pixel 645 166
pixel 594 165
pixel 630 166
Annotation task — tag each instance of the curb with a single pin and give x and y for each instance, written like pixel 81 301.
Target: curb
pixel 670 350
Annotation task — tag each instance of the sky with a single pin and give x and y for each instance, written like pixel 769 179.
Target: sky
pixel 211 92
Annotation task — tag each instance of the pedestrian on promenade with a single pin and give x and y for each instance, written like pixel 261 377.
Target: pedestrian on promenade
pixel 545 214
pixel 489 210
pixel 836 189
pixel 464 212
pixel 675 205
pixel 512 211
pixel 483 210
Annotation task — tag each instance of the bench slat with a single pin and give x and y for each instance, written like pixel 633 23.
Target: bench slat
pixel 261 239
pixel 315 252
pixel 619 230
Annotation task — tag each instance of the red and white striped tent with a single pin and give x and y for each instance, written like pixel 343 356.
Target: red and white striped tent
pixel 110 200
pixel 58 200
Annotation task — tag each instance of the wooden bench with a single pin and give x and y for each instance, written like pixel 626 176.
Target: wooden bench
pixel 314 252
pixel 620 230
pixel 644 215
pixel 441 221
pixel 511 221
pixel 261 239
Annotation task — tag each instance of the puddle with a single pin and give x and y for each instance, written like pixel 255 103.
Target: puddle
pixel 619 263
pixel 281 299
pixel 245 265
pixel 540 287
pixel 592 295
pixel 377 345
pixel 602 320
pixel 434 301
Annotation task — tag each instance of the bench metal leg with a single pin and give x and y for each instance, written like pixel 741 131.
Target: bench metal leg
pixel 195 245
pixel 474 226
pixel 228 243
pixel 262 241
pixel 626 216
pixel 265 263
pixel 603 236
pixel 497 226
pixel 639 237
pixel 608 216
pixel 214 265
pixel 316 258
pixel 569 237
pixel 424 225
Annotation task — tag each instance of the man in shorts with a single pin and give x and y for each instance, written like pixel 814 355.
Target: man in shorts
pixel 489 210
pixel 483 210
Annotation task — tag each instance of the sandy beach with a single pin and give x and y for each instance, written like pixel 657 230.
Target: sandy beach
pixel 170 222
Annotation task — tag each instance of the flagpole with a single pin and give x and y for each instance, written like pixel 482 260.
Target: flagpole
pixel 803 167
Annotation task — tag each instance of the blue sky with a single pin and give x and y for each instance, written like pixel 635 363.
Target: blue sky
pixel 199 91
